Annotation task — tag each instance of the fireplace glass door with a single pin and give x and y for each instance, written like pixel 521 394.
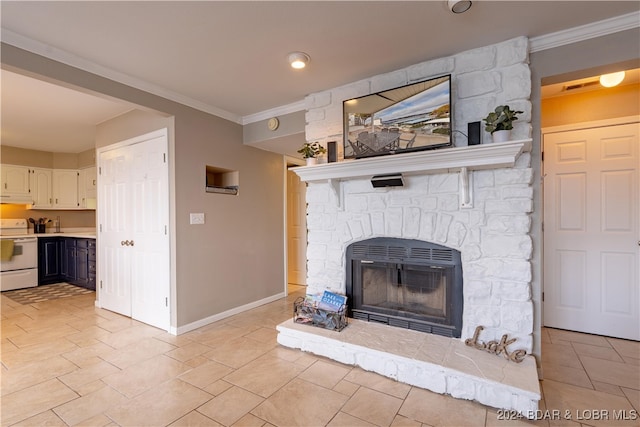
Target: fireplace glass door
pixel 414 291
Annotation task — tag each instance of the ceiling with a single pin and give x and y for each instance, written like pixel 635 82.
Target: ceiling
pixel 229 58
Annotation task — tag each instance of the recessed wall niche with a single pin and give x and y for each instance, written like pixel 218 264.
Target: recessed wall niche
pixel 222 181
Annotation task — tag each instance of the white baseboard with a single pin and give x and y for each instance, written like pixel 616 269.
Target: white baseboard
pixel 216 317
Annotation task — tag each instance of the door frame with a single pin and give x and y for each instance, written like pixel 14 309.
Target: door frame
pixel 565 128
pixel 163 132
pixel 288 162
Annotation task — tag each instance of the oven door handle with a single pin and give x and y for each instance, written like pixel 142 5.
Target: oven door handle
pixel 25 240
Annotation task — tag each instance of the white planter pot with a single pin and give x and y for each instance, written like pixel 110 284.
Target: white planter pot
pixel 311 161
pixel 501 136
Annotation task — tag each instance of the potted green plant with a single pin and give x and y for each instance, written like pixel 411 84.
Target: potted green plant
pixel 310 151
pixel 500 122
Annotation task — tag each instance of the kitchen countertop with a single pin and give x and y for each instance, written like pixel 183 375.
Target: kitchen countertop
pixel 80 234
pixel 76 234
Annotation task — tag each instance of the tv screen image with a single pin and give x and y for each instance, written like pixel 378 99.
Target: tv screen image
pixel 409 118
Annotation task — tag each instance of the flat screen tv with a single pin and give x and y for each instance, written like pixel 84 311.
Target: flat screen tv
pixel 414 117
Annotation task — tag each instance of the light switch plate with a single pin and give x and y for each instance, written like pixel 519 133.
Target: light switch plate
pixel 196 218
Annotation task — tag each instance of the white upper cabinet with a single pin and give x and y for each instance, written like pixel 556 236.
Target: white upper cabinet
pixel 41 184
pixel 65 189
pixel 87 188
pixel 15 184
pixel 44 188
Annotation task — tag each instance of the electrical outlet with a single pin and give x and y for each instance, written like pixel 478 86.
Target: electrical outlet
pixel 196 218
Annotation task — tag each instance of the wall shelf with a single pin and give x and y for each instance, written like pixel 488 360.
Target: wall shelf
pixel 222 181
pixel 443 160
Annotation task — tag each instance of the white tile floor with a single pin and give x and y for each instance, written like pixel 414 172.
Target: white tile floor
pixel 65 362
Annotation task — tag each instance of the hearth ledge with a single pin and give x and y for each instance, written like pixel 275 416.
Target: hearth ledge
pixel 442 365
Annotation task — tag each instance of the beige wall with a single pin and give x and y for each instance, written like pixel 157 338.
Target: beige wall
pixel 237 257
pixel 45 159
pixel 605 103
pixel 24 157
pixel 68 219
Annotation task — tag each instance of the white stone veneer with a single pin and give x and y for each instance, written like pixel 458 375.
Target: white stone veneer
pixel 493 235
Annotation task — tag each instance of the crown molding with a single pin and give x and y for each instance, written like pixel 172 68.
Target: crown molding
pixel 60 55
pixel 585 32
pixel 274 112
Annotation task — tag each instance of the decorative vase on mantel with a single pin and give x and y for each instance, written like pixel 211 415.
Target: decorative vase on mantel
pixel 501 135
pixel 311 161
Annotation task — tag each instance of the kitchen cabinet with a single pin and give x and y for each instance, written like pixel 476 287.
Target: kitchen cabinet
pixel 67 259
pixel 40 186
pixel 87 188
pixel 91 264
pixel 49 260
pixel 82 262
pixel 65 189
pixel 15 184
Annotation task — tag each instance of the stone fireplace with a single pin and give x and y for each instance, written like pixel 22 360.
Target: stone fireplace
pixel 472 201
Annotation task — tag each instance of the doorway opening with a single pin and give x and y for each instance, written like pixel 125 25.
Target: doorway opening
pixel 591 208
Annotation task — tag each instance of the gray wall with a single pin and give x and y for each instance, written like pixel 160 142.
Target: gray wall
pixel 285 140
pixel 237 257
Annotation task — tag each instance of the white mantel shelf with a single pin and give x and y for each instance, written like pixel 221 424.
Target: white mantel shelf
pixel 477 157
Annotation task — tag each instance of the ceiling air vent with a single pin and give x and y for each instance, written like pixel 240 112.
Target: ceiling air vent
pixel 581 85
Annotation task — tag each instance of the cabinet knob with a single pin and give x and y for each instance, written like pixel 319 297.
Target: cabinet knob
pixel 131 243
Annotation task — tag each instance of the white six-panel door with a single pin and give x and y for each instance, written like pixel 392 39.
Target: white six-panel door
pixel 133 215
pixel 592 230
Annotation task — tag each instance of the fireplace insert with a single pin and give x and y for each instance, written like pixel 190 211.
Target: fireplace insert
pixel 406 283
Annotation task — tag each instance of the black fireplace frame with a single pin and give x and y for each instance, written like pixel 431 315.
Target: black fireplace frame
pixel 407 252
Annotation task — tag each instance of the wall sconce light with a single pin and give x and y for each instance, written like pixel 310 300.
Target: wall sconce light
pixel 611 80
pixel 459 6
pixel 298 60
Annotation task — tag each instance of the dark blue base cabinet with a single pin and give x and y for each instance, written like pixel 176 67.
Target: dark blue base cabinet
pixel 67 259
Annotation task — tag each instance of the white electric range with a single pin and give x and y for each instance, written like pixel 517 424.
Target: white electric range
pixel 19 257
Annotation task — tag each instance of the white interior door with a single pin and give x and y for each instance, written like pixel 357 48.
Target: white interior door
pixel 296 230
pixel 149 233
pixel 133 245
pixel 114 260
pixel 592 230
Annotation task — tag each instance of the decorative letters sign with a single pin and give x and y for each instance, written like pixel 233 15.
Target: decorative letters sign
pixel 496 347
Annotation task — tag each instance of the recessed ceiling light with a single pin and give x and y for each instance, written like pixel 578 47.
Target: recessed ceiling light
pixel 298 60
pixel 611 80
